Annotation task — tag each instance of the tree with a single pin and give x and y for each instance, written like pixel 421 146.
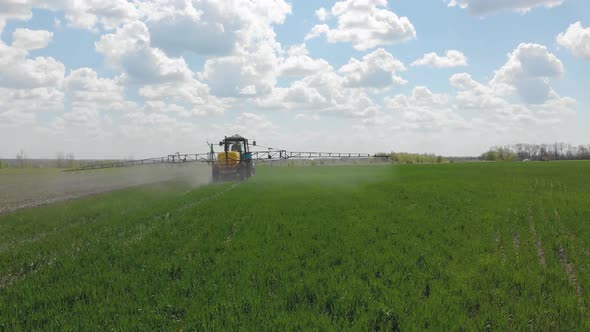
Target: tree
pixel 555 151
pixel 70 160
pixel 60 159
pixel 20 159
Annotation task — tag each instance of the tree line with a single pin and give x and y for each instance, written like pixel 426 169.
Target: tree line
pixel 416 158
pixel 62 160
pixel 537 152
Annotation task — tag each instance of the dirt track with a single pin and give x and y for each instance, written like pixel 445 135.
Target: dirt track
pixel 33 187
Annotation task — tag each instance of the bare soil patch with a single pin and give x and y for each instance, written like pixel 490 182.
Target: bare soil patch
pixel 536 240
pixel 516 241
pixel 20 189
pixel 572 276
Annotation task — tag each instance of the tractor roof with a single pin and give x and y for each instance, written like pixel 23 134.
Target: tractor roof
pixel 235 137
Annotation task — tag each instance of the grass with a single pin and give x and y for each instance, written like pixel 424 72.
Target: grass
pixel 405 247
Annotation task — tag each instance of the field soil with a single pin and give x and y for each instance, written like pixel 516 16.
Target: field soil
pixel 23 188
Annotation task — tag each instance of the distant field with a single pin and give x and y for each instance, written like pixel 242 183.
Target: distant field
pixel 30 187
pixel 482 246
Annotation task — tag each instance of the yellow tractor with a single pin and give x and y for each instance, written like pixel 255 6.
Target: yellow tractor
pixel 235 162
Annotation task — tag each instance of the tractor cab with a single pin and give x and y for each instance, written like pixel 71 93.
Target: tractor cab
pixel 237 143
pixel 235 161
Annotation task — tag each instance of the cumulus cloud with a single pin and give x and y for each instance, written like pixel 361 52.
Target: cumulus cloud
pixel 340 93
pixel 473 95
pixel 452 58
pixel 31 39
pixel 376 70
pixel 190 98
pixel 88 91
pixel 89 14
pixel 366 24
pixel 484 7
pixel 242 75
pixel 322 14
pixel 322 92
pixel 170 35
pixel 421 109
pixel 248 64
pixel 14 9
pixel 307 117
pixel 298 63
pixel 36 100
pixel 17 70
pixel 421 96
pixel 527 72
pixel 251 124
pixel 576 39
pixel 223 26
pixel 107 13
pixel 129 48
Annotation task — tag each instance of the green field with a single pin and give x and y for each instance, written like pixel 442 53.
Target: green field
pixel 481 246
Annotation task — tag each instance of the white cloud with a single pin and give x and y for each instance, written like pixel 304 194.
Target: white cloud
pixel 217 29
pixel 421 96
pixel 88 14
pixel 452 58
pixel 473 95
pixel 421 110
pixel 15 118
pixel 366 24
pixel 323 92
pixel 239 76
pixel 19 71
pixel 251 124
pixel 32 73
pixel 376 70
pixel 31 39
pixel 247 64
pixel 222 25
pixel 14 9
pixel 527 72
pixel 87 91
pixel 164 79
pixel 129 48
pixel 190 98
pixel 482 113
pixel 576 39
pixel 322 14
pixel 307 117
pixel 36 100
pixel 299 63
pixel 484 7
pixel 317 31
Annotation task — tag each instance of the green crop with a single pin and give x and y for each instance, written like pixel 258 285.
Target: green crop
pixel 478 246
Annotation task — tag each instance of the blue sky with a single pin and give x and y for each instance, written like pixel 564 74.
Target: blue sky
pixel 121 78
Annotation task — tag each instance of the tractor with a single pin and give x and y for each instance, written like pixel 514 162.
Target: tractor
pixel 235 162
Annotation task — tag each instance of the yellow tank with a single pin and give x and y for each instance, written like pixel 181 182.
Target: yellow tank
pixel 233 157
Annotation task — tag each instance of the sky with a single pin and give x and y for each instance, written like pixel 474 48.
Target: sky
pixel 130 78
